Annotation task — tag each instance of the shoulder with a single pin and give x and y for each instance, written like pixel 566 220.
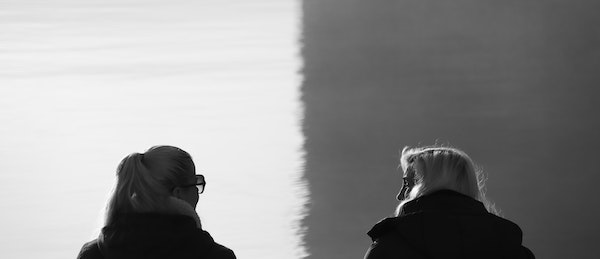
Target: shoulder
pixel 90 250
pixel 505 228
pixel 390 241
pixel 212 248
pixel 388 226
pixel 219 251
pixel 391 246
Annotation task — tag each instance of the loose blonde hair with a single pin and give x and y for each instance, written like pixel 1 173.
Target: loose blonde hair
pixel 145 180
pixel 438 168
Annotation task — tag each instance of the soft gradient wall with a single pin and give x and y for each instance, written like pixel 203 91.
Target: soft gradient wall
pixel 83 83
pixel 513 83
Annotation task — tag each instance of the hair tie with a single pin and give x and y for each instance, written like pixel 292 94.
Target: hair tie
pixel 141 156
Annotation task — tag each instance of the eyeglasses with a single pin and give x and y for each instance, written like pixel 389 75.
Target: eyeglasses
pixel 200 183
pixel 408 182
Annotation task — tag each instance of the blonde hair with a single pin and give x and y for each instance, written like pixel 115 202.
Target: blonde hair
pixel 145 180
pixel 443 168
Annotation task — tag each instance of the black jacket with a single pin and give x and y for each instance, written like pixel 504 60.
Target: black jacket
pixel 152 235
pixel 446 224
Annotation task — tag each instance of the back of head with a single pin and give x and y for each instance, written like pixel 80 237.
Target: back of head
pixel 145 180
pixel 442 168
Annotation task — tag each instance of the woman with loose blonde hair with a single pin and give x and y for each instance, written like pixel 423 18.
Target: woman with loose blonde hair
pixel 443 212
pixel 151 212
pixel 431 168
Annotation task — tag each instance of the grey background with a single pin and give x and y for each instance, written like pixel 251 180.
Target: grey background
pixel 513 83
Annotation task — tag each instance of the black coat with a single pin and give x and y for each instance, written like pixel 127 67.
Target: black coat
pixel 446 224
pixel 152 235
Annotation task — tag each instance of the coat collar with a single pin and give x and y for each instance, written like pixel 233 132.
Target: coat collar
pixel 180 207
pixel 443 200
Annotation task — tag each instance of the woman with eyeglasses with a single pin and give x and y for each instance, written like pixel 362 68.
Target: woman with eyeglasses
pixel 443 213
pixel 151 213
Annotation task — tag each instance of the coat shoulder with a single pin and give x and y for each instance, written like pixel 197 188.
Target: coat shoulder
pixel 90 250
pixel 390 246
pixel 221 252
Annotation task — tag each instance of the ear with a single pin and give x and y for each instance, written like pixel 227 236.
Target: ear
pixel 177 193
